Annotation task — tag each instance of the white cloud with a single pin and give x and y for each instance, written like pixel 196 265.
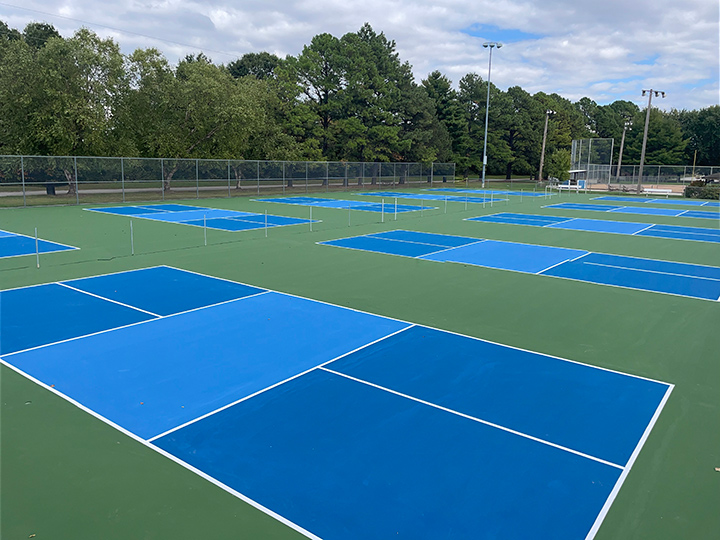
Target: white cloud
pixel 605 50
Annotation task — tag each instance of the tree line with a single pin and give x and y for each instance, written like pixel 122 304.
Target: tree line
pixel 342 99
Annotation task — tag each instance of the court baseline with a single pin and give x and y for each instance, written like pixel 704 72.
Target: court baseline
pixel 672 212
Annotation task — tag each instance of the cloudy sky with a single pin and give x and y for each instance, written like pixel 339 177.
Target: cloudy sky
pixel 602 49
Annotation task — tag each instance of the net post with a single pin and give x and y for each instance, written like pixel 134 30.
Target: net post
pixel 395 208
pixel 132 240
pixel 491 199
pixel 521 195
pixel 205 227
pixel 465 202
pixel 311 219
pixel 382 211
pixel 422 207
pixel 37 249
pixel 446 204
pixel 266 223
pixel 348 214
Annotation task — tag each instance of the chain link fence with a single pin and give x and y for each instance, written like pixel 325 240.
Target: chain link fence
pixel 33 180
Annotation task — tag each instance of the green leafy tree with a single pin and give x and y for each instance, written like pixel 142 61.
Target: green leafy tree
pixel 261 65
pixel 37 34
pixel 451 115
pixel 665 142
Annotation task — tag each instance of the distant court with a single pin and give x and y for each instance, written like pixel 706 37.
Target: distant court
pixel 432 197
pixel 197 216
pixel 677 202
pixel 698 234
pixel 694 281
pixel 358 427
pixel 641 210
pixel 345 204
pixel 486 192
pixel 16 245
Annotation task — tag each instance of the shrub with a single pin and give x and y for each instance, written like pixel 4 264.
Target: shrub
pixel 702 192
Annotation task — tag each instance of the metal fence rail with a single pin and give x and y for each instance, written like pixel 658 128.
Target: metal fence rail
pixel 652 174
pixel 73 179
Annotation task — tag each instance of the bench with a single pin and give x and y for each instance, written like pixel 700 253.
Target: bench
pixel 658 191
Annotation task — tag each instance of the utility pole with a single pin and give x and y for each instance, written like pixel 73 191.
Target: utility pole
pixel 647 122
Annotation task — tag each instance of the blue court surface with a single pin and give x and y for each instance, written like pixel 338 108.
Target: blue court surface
pixel 357 427
pixel 698 234
pixel 673 212
pixel 363 206
pixel 488 192
pixel 16 245
pixel 691 280
pixel 678 202
pixel 431 197
pixel 197 216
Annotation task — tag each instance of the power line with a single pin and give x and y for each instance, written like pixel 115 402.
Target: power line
pixel 119 30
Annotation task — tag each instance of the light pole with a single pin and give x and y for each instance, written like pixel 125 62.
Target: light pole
pixel 487 44
pixel 628 125
pixel 647 122
pixel 542 152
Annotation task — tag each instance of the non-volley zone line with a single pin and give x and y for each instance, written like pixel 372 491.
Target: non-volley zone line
pixel 16 245
pixel 368 410
pixel 488 192
pixel 432 197
pixel 677 202
pixel 698 234
pixel 198 216
pixel 363 206
pixel 682 279
pixel 672 212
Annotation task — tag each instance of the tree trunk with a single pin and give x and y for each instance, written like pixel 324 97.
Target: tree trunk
pixel 72 183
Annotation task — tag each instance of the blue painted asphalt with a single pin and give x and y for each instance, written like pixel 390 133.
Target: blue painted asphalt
pixel 149 378
pixel 695 281
pixel 348 461
pixel 637 210
pixel 678 202
pixel 436 435
pixel 363 206
pixel 163 290
pixel 15 245
pixel 50 313
pixel 212 218
pixel 698 234
pixel 486 192
pixel 431 197
pixel 601 413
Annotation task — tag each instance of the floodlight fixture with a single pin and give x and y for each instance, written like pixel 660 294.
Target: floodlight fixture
pixel 487 44
pixel 658 93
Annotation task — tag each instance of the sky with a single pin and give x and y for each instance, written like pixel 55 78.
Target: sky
pixel 605 50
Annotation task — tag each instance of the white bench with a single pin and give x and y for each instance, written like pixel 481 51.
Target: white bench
pixel 658 191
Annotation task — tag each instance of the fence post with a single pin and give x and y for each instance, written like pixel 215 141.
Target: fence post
pixel 327 178
pixel 283 178
pixel 229 179
pixel 162 177
pixel 77 187
pixel 122 177
pixel 258 177
pixel 197 180
pixel 306 177
pixel 22 176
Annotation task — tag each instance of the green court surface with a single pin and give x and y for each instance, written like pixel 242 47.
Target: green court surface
pixel 65 475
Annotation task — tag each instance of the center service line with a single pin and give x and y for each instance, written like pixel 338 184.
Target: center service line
pixel 481 421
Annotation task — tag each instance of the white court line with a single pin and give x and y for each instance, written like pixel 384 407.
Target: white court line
pixel 263 390
pixel 375 235
pixel 616 489
pixel 107 299
pixel 453 248
pixel 654 271
pixel 447 331
pixel 164 453
pixel 645 229
pixel 475 419
pixel 562 262
pixel 159 317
